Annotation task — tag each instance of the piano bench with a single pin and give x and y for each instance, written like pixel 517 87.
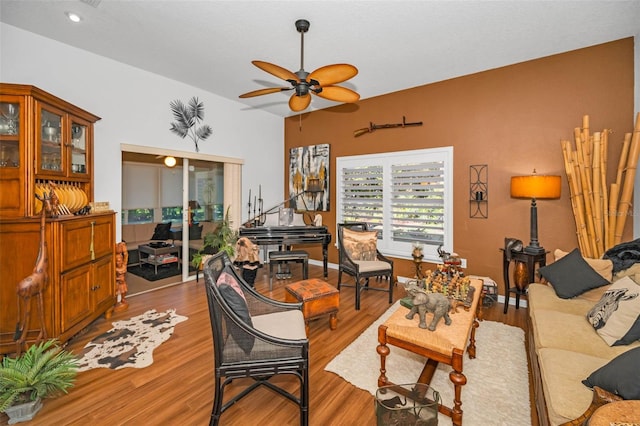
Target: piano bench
pixel 280 257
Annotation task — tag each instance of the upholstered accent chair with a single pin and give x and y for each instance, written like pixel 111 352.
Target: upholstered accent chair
pixel 255 337
pixel 360 258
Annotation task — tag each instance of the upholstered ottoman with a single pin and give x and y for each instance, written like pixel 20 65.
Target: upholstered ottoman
pixel 318 298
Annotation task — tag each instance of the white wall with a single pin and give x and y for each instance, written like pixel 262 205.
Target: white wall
pixel 134 107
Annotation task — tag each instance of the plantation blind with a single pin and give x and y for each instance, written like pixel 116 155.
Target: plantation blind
pixel 417 202
pixel 362 195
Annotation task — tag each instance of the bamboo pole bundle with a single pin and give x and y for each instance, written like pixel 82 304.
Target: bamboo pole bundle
pixel 599 209
pixel 576 197
pixel 587 196
pixel 596 198
pixel 629 177
pixel 615 190
pixel 603 182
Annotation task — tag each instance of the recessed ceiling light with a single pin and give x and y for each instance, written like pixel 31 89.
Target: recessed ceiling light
pixel 74 17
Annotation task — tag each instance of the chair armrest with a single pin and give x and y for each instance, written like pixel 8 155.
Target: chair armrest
pixel 382 257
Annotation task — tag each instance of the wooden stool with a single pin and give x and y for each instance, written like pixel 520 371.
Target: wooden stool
pixel 280 257
pixel 318 298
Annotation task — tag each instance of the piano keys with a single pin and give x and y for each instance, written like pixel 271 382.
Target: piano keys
pixel 286 236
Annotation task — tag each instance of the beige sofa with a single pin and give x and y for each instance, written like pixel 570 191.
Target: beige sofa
pixel 564 348
pixel 140 233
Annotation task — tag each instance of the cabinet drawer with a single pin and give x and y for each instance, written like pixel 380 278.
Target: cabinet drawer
pixel 86 240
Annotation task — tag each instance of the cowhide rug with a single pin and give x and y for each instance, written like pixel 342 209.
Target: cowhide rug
pixel 130 343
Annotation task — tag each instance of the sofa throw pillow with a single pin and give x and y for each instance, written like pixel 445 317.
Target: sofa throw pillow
pixel 616 317
pixel 360 245
pixel 571 276
pixel 602 266
pixel 621 376
pixel 162 231
pixel 234 296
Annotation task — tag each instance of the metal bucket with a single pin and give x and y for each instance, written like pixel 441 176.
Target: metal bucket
pixel 407 405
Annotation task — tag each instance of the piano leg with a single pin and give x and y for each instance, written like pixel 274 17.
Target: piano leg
pixel 325 261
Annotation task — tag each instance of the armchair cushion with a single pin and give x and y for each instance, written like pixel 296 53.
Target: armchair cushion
pixel 616 317
pixel 620 376
pixel 360 245
pixel 162 231
pixel 373 265
pixel 234 296
pixel 571 276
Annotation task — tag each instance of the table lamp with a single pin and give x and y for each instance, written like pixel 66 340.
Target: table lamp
pixel 535 187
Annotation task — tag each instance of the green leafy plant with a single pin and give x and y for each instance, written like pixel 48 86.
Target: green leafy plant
pixel 188 117
pixel 223 238
pixel 43 371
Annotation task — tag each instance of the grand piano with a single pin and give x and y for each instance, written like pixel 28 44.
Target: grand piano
pixel 285 236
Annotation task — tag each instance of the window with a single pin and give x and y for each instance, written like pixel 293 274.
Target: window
pixel 407 196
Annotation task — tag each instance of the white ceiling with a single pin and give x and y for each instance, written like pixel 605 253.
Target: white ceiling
pixel 395 44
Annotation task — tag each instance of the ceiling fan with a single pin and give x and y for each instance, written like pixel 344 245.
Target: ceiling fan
pixel 320 82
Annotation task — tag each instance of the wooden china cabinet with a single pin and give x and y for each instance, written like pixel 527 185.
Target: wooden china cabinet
pixel 47 142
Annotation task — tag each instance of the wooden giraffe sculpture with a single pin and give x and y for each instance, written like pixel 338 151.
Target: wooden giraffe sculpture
pixel 36 283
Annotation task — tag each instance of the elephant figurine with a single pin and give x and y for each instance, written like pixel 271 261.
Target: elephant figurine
pixel 424 302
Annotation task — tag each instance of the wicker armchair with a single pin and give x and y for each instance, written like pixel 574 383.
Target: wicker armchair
pixel 253 336
pixel 379 266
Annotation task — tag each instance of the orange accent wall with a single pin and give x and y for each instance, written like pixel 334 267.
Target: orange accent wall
pixel 511 118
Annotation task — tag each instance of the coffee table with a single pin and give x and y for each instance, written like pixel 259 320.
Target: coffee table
pixel 446 344
pixel 152 254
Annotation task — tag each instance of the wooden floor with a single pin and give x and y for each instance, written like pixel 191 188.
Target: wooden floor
pixel 177 388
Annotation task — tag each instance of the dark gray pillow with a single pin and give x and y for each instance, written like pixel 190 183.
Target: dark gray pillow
pixel 621 376
pixel 572 275
pixel 162 231
pixel 239 306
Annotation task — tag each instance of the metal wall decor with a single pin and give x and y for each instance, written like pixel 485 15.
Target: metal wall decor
pixel 479 191
pixel 188 118
pixel 309 178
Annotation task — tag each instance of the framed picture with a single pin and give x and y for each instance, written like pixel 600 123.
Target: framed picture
pixel 309 178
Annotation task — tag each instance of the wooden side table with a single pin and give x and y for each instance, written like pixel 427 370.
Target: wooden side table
pixel 618 412
pixel 527 263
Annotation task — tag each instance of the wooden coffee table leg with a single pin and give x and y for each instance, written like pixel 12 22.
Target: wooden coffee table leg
pixel 383 351
pixel 471 349
pixel 458 379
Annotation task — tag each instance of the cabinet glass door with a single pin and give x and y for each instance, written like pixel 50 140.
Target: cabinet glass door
pixel 78 148
pixel 50 141
pixel 9 134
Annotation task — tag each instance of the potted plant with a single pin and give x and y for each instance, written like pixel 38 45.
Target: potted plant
pixel 44 370
pixel 222 239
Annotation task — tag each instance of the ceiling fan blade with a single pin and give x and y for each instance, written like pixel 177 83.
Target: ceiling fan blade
pixel 338 94
pixel 266 91
pixel 298 103
pixel 276 70
pixel 332 74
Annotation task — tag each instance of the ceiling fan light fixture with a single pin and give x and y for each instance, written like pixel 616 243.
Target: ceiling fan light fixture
pixel 169 161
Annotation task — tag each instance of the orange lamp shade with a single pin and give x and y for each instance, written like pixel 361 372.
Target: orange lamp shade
pixel 535 186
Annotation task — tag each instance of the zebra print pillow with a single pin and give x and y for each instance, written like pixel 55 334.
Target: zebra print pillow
pixel 616 317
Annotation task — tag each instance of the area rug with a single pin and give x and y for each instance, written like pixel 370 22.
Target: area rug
pixel 130 343
pixel 148 271
pixel 497 389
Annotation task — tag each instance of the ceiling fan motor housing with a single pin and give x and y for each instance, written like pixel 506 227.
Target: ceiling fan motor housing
pixel 302 25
